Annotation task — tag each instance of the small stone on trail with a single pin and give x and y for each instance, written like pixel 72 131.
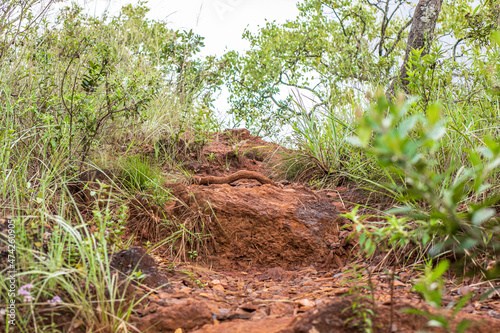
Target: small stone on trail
pixel 404 276
pixel 214 282
pixel 305 303
pixel 241 285
pixel 280 309
pixel 137 259
pixel 163 295
pixel 249 307
pixel 464 290
pixel 493 314
pixel 207 295
pixel 399 283
pixel 219 288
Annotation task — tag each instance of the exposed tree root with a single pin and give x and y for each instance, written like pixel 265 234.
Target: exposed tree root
pixel 242 174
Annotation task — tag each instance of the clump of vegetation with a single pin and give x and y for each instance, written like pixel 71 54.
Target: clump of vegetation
pixel 430 286
pixel 139 175
pixel 437 205
pixel 76 90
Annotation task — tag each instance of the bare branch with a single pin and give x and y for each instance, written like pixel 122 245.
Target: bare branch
pixel 374 5
pixel 398 38
pixel 385 24
pixel 455 46
pixel 341 21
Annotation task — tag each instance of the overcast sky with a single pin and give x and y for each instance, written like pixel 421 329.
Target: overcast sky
pixel 221 22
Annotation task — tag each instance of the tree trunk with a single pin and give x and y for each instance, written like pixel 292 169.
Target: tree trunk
pixel 420 37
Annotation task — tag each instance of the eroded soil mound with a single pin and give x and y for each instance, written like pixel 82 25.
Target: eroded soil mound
pixel 231 151
pixel 267 225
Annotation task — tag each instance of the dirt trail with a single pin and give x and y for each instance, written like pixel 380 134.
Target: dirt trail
pixel 279 258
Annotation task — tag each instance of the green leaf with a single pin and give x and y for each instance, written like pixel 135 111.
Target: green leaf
pixel 467 244
pixel 463 325
pixel 362 239
pixel 414 311
pixel 495 37
pixel 440 269
pixel 425 239
pixel 437 322
pixel 436 133
pixel 434 113
pixel 368 245
pixel 407 125
pixel 461 303
pixel 482 215
pixel 400 210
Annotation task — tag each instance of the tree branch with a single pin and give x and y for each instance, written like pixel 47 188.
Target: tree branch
pixel 398 38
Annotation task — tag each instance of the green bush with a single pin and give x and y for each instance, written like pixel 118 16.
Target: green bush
pixel 451 207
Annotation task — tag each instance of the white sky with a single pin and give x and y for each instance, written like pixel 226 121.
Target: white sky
pixel 221 22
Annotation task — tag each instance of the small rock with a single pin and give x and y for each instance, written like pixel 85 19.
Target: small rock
pixel 223 314
pixel 182 293
pixel 464 290
pixel 207 295
pixel 258 315
pixel 305 303
pixel 163 295
pixel 239 314
pixel 280 309
pixel 403 276
pixel 493 314
pixel 137 259
pixel 399 283
pixel 218 288
pixel 249 307
pixel 214 282
pixel 187 316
